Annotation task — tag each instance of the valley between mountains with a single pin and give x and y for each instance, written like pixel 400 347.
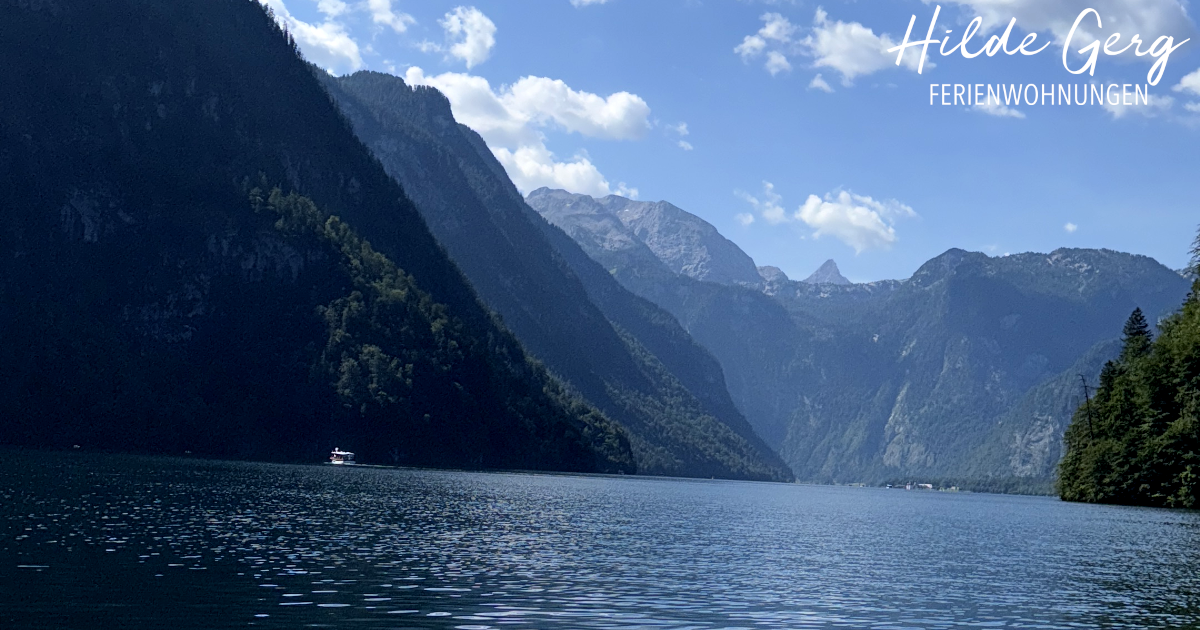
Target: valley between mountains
pixel 213 246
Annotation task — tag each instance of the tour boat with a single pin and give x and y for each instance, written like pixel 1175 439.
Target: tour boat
pixel 341 457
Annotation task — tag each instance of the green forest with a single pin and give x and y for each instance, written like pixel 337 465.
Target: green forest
pixel 1137 441
pixel 148 305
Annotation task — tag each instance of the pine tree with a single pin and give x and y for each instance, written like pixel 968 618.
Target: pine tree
pixel 1138 338
pixel 1194 265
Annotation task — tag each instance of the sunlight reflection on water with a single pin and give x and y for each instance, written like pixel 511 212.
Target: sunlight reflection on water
pixel 92 541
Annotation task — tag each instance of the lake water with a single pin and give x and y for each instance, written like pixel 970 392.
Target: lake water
pixel 91 541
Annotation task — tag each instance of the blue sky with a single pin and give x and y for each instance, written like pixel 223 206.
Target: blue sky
pixel 716 106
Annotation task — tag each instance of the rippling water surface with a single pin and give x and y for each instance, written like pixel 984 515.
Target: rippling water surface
pixel 118 541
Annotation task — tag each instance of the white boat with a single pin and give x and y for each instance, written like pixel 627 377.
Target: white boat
pixel 341 457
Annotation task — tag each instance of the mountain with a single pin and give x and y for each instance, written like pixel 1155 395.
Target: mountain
pixel 961 371
pixel 201 256
pixel 759 345
pixel 827 274
pixel 618 351
pixel 772 274
pixel 685 243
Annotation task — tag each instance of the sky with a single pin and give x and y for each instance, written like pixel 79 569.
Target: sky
pixel 790 127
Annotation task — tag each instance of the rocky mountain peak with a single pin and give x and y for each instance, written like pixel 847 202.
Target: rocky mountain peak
pixel 773 274
pixel 827 274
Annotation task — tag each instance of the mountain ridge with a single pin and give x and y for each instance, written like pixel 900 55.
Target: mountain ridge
pixel 867 382
pixel 679 425
pixel 194 274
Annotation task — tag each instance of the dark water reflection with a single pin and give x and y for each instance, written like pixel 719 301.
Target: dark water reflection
pixel 117 541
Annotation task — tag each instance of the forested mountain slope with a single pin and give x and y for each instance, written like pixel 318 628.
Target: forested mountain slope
pixel 1138 440
pixel 157 295
pixel 622 353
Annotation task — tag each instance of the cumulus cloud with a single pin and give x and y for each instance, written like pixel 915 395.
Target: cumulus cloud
pixel 619 116
pixel 1189 84
pixel 584 3
pixel 744 218
pixel 818 83
pixel 1156 105
pixel 470 33
pixel 1070 228
pixel 848 47
pixel 511 120
pixel 685 145
pixel 994 108
pixel 327 44
pixel 770 207
pixel 332 8
pixel 857 220
pixel 776 33
pixel 382 13
pixel 851 48
pixel 532 167
pixel 776 63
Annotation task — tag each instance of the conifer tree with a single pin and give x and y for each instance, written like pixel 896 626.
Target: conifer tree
pixel 1194 265
pixel 1138 338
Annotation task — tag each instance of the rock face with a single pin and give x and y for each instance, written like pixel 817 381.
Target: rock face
pixel 772 274
pixel 827 274
pixel 962 371
pixel 685 243
pixel 623 354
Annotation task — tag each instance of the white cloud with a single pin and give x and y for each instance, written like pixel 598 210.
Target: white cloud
pixel 1192 107
pixel 847 47
pixel 851 48
pixel 680 130
pixel 332 8
pixel 744 218
pixel 382 13
pixel 1156 105
pixel 777 28
pixel 327 44
pixel 1189 83
pixel 472 33
pixel 770 207
pixel 751 47
pixel 818 83
pixel 858 221
pixel 995 108
pixel 511 119
pixel 776 63
pixel 777 32
pixel 584 3
pixel 532 167
pixel 1070 228
pixel 620 116
pixel 626 191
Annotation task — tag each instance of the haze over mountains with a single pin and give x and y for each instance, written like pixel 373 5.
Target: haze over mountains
pixel 963 371
pixel 622 353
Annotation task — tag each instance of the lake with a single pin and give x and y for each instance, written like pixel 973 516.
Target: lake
pixel 106 541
